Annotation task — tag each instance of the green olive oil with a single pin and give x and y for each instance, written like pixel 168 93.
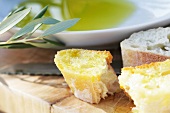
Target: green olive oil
pixel 93 14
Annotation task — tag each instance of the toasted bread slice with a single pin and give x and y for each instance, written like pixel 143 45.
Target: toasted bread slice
pixel 148 86
pixel 88 73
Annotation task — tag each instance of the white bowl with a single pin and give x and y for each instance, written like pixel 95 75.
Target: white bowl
pixel 149 14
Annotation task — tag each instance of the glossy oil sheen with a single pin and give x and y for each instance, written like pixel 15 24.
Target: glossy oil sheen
pixel 93 14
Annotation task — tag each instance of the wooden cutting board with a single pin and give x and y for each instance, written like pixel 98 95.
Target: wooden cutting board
pixel 47 94
pixel 50 94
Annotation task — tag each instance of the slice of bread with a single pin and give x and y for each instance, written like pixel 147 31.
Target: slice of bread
pixel 146 46
pixel 148 86
pixel 88 73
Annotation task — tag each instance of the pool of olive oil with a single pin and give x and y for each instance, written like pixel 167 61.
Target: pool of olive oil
pixel 93 14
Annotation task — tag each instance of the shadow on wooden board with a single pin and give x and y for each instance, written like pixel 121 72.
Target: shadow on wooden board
pixel 2 111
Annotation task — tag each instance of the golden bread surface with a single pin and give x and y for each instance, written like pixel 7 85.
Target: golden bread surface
pixel 88 73
pixel 148 86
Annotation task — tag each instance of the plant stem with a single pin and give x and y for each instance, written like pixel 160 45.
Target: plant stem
pixel 21 41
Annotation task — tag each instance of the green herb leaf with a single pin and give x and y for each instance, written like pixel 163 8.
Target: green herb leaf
pixel 41 41
pixel 16 45
pixel 17 10
pixel 61 26
pixel 31 26
pixel 42 44
pixel 54 42
pixel 12 20
pixel 41 13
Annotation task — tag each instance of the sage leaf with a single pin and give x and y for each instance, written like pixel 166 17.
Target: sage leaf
pixel 12 20
pixel 61 26
pixel 41 13
pixel 32 26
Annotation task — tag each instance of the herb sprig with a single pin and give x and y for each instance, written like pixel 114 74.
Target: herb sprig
pixel 23 38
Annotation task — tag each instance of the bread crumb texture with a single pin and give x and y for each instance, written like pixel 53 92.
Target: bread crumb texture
pixel 152 40
pixel 88 73
pixel 148 86
pixel 144 47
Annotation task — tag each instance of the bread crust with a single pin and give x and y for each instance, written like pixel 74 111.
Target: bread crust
pixel 87 83
pixel 147 85
pixel 136 58
pixel 144 47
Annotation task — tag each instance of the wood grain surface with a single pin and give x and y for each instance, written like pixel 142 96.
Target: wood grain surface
pixel 50 94
pixel 47 94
